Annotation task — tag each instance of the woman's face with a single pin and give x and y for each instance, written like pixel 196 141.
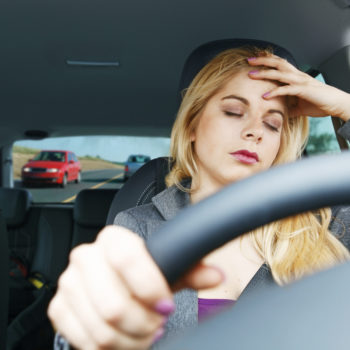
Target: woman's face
pixel 238 133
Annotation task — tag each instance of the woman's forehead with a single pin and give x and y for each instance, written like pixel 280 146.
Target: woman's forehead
pixel 249 89
pixel 241 81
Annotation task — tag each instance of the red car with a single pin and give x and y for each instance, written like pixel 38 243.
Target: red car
pixel 56 167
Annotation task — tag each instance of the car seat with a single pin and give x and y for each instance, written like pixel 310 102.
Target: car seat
pixel 149 179
pixel 90 213
pixel 4 276
pixel 36 235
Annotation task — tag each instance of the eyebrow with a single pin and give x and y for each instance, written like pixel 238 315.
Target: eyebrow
pixel 246 102
pixel 242 99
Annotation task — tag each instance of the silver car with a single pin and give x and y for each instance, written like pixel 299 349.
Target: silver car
pixel 134 162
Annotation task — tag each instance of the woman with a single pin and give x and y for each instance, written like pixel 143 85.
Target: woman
pixel 242 114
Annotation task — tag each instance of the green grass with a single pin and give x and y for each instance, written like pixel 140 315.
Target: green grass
pixel 119 163
pixel 87 157
pixel 24 150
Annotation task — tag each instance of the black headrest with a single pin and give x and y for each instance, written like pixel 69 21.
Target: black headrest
pixel 141 187
pixel 15 204
pixel 206 52
pixel 91 206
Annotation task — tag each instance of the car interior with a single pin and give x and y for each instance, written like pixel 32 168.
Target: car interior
pixel 120 68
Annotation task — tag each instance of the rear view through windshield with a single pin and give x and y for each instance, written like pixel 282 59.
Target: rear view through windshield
pixel 50 156
pixel 138 159
pixel 55 170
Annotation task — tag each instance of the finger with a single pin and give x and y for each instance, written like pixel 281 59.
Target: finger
pixel 276 75
pixel 272 61
pixel 136 266
pixel 201 277
pixel 73 330
pixel 63 320
pixel 286 90
pixel 105 299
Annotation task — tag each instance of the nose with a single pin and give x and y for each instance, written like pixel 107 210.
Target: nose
pixel 253 131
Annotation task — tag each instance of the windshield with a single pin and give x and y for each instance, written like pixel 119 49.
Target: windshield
pixel 138 159
pixel 50 156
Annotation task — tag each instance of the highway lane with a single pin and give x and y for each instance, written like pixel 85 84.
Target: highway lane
pixel 105 178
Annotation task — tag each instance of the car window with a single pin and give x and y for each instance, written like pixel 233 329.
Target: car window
pixel 99 162
pixel 322 137
pixel 138 159
pixel 50 156
pixel 102 159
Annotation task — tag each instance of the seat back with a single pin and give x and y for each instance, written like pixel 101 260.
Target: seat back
pixel 141 187
pixel 90 214
pixel 22 236
pixel 4 285
pixel 54 241
pixel 42 237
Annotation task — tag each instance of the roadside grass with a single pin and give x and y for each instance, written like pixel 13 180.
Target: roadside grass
pixel 21 155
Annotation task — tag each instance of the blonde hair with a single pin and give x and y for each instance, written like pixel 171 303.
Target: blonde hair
pixel 292 247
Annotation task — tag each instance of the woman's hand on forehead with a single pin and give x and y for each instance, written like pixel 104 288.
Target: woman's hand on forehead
pixel 314 98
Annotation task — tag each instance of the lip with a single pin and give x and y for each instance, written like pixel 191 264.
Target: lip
pixel 245 156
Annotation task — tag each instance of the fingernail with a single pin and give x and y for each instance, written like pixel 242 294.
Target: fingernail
pixel 254 71
pixel 251 58
pixel 158 334
pixel 165 307
pixel 266 94
pixel 223 276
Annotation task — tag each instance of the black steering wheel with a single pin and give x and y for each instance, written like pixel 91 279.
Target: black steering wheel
pixel 309 314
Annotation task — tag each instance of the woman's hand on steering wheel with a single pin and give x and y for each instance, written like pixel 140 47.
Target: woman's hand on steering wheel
pixel 113 295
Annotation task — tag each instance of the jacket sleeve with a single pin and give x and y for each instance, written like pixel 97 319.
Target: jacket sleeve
pixel 340 225
pixel 129 221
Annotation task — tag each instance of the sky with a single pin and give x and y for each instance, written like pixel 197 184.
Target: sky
pixel 112 148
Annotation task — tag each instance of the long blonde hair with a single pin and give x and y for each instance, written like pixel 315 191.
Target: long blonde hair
pixel 292 247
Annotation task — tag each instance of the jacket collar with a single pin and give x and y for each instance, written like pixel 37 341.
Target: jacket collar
pixel 170 201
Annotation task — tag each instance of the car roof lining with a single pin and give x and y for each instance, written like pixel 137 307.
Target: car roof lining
pixel 151 42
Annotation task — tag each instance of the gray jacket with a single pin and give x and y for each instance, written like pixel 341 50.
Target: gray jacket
pixel 148 218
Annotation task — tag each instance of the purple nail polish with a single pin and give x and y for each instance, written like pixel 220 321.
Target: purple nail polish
pixel 251 58
pixel 165 307
pixel 266 94
pixel 159 333
pixel 254 71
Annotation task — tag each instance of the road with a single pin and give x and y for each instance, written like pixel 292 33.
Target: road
pixel 107 178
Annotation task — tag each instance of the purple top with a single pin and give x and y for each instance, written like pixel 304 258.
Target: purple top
pixel 209 307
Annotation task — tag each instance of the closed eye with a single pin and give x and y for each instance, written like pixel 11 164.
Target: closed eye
pixel 272 127
pixel 233 114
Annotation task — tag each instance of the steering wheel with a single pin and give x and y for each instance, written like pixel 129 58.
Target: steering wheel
pixel 312 313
